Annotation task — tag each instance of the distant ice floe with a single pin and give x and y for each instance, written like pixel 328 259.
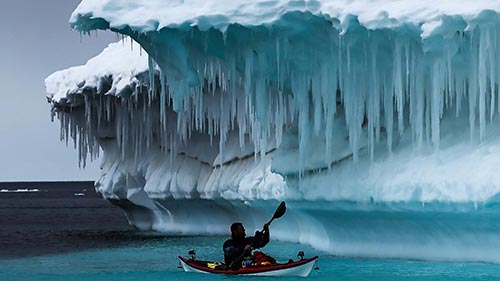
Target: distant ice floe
pixel 21 190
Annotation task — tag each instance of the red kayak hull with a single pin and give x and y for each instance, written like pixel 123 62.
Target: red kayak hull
pixel 295 268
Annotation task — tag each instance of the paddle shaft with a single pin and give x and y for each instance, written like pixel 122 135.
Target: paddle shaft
pixel 270 221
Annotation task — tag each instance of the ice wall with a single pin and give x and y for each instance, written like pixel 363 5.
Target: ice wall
pixel 225 102
pixel 317 82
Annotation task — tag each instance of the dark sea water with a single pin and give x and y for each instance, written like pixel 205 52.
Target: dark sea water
pixel 48 218
pixel 65 231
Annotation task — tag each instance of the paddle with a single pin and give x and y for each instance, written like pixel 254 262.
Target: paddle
pixel 280 211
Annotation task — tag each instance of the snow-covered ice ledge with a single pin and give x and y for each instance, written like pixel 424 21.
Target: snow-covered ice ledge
pixel 154 15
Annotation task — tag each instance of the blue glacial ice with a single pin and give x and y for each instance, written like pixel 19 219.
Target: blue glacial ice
pixel 340 108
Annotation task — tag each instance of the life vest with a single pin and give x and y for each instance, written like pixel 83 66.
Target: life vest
pixel 261 259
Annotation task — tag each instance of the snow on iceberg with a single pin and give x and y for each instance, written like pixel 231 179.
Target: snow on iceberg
pixel 113 71
pixel 220 104
pixel 153 15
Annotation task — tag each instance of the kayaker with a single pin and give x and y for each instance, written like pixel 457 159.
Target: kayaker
pixel 239 246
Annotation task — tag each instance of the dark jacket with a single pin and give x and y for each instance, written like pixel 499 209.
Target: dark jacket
pixel 234 250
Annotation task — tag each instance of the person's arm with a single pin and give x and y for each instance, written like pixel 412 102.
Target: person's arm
pixel 261 238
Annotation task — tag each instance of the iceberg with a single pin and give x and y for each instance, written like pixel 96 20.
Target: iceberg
pixel 346 109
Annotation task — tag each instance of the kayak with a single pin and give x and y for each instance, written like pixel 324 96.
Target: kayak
pixel 300 268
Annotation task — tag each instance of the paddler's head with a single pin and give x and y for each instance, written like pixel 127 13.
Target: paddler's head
pixel 238 231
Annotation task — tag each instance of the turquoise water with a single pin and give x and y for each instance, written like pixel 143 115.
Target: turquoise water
pixel 154 257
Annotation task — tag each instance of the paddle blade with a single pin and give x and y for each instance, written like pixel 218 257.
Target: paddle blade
pixel 280 211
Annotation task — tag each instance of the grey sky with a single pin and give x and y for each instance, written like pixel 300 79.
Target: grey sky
pixel 36 40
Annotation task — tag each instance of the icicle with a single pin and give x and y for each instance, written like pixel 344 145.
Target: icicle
pixel 482 80
pixel 398 85
pixel 163 100
pixel 436 103
pixel 472 91
pixel 151 66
